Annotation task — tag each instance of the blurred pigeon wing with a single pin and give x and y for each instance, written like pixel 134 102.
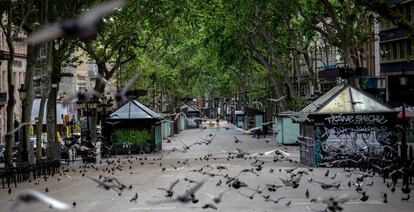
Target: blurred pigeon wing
pixel 129 84
pixel 18 128
pixel 43 35
pixel 253 129
pixel 278 99
pixel 210 195
pixel 195 188
pixel 240 129
pixel 106 82
pixel 162 201
pixel 102 79
pixel 280 198
pixel 69 99
pixel 345 198
pixel 173 184
pixel 93 93
pixel 89 17
pixel 49 200
pixel 37 196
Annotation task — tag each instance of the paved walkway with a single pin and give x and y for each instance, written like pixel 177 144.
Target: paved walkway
pixel 145 173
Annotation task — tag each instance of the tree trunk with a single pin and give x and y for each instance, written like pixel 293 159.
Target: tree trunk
pixel 10 112
pixel 99 87
pixel 349 62
pixel 278 91
pixel 311 70
pixel 39 124
pixel 28 103
pixel 51 102
pixel 51 121
pixel 11 99
pixel 45 88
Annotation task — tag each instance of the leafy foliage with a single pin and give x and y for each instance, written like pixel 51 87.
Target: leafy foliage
pixel 132 137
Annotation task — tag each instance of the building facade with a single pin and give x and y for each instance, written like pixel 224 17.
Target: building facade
pixel 19 71
pixel 397 58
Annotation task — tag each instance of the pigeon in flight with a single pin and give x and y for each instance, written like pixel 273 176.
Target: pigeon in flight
pixel 251 130
pixel 335 185
pixel 83 28
pixel 278 99
pixel 275 200
pixel 112 123
pixel 17 128
pixel 86 96
pixel 121 95
pixel 30 196
pixel 187 197
pixel 333 202
pixel 216 199
pixel 209 205
pixel 169 190
pixel 252 195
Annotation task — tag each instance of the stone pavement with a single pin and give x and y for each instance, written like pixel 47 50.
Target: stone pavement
pixel 146 175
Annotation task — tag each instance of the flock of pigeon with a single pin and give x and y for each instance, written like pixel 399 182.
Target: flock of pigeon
pixel 230 179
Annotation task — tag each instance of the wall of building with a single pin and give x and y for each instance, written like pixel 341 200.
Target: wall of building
pixel 397 57
pixel 19 71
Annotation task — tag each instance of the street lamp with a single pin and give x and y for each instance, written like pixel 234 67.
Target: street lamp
pixel 109 105
pixel 106 106
pixel 82 107
pixel 23 142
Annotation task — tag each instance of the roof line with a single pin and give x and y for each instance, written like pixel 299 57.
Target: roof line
pixel 119 107
pixel 133 101
pixel 372 97
pixel 332 97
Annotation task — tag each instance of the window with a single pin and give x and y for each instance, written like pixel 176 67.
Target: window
pixel 17 63
pixel 403 44
pixel 14 79
pixel 1 40
pixel 394 50
pixel 42 52
pixel 401 10
pixel 408 12
pixel 3 80
pixel 409 48
pixel 386 54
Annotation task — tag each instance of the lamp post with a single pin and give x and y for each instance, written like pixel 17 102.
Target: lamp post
pixel 72 123
pixel 103 107
pixel 82 112
pixel 403 137
pixel 109 106
pixel 23 143
pixel 3 99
